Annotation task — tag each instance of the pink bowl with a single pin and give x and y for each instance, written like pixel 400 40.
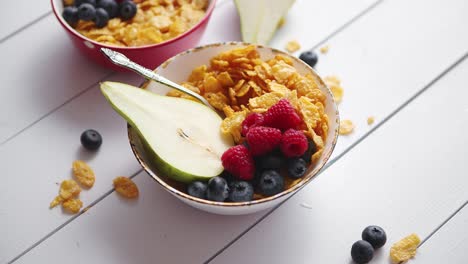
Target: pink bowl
pixel 149 56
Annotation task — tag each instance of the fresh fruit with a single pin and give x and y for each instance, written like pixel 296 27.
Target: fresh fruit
pixel 239 162
pixel 80 2
pixel 362 252
pixel 253 119
pixel 270 183
pixel 86 12
pixel 311 149
pixel 293 143
pixel 101 18
pixel 110 6
pixel 260 18
pixel 188 146
pixel 309 57
pixel 240 191
pixel 263 139
pixel 217 189
pixel 296 168
pixel 282 115
pixel 128 10
pixel 91 139
pixel 272 160
pixel 70 14
pixel 375 235
pixel 197 189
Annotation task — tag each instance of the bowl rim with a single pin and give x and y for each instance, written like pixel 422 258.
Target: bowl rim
pixel 294 188
pixel 208 12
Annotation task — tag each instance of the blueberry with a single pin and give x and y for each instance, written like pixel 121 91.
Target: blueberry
pixel 310 151
pixel 101 18
pixel 128 10
pixel 79 2
pixel 110 6
pixel 309 57
pixel 91 139
pixel 270 183
pixel 272 161
pixel 375 235
pixel 296 168
pixel 70 14
pixel 217 189
pixel 86 12
pixel 197 189
pixel 240 191
pixel 362 252
pixel 228 177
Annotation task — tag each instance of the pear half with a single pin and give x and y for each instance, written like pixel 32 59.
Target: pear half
pixel 184 136
pixel 260 18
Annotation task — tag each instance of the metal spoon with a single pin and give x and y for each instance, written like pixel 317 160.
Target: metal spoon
pixel 121 60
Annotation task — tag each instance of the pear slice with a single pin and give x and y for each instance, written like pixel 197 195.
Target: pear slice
pixel 260 18
pixel 183 136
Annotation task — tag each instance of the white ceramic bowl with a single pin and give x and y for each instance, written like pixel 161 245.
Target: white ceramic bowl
pixel 177 69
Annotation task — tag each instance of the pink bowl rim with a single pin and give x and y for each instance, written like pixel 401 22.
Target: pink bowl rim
pixel 71 30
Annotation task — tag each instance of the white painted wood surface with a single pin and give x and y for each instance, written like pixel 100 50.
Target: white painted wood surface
pixel 384 58
pixel 64 113
pixel 405 177
pixel 20 13
pixel 449 244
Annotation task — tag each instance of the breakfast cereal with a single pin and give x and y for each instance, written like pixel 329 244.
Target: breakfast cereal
pixel 334 84
pixel 293 46
pixel 238 82
pixel 324 49
pixel 72 205
pixel 154 22
pixel 126 187
pixel 404 249
pixel 83 173
pixel 370 120
pixel 346 127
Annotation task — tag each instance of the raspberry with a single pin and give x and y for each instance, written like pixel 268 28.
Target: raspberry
pixel 282 115
pixel 253 119
pixel 262 139
pixel 239 162
pixel 293 143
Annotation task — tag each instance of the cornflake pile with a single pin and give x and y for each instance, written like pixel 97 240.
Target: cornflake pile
pixel 155 21
pixel 238 82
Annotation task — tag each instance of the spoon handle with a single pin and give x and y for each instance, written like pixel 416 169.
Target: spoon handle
pixel 121 60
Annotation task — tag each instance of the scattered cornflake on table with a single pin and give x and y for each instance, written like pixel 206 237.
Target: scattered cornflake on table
pixel 69 190
pixel 125 187
pixel 404 249
pixel 370 120
pixel 281 22
pixel 83 173
pixel 293 46
pixel 334 83
pixel 324 49
pixel 346 127
pixel 72 205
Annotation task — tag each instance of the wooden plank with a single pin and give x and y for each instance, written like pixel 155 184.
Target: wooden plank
pixel 44 71
pixel 21 13
pixel 407 176
pixel 449 244
pixel 112 160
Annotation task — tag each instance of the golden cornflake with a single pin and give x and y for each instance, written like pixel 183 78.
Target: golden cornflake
pixel 324 49
pixel 404 249
pixel 346 127
pixel 293 46
pixel 154 22
pixel 69 189
pixel 57 200
pixel 125 187
pixel 370 120
pixel 83 173
pixel 72 205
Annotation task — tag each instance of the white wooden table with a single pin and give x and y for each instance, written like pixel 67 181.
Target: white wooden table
pixel 404 62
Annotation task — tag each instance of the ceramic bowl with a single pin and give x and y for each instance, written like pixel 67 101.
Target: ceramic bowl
pixel 177 69
pixel 149 56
